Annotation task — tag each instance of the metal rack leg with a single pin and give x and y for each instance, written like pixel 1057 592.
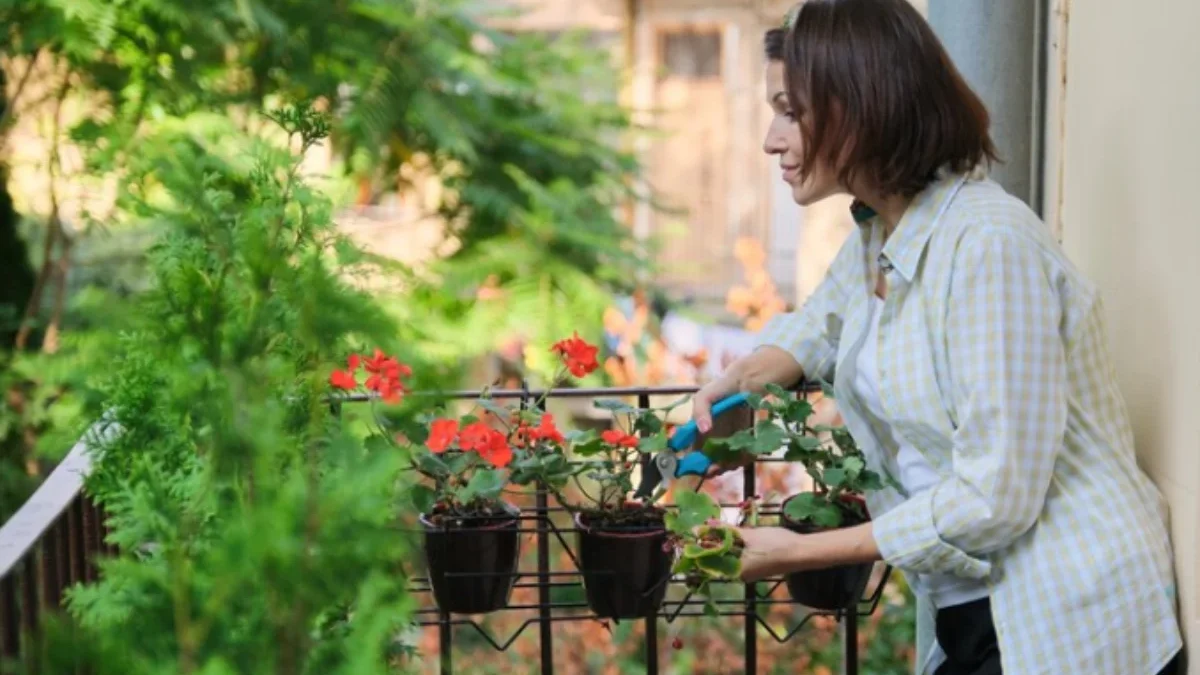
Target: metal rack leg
pixel 651 616
pixel 850 633
pixel 545 627
pixel 652 643
pixel 445 642
pixel 751 623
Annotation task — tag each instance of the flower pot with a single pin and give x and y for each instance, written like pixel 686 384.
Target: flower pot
pixel 625 568
pixel 835 588
pixel 472 561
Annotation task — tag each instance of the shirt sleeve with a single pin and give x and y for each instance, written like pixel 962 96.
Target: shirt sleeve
pixel 811 334
pixel 1008 368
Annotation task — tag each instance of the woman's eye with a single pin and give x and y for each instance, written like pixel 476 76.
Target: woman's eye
pixel 790 115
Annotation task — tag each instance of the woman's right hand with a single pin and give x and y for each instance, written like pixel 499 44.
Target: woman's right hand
pixel 702 403
pixel 749 374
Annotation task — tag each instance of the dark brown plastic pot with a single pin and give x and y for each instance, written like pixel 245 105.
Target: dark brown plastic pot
pixel 472 562
pixel 831 589
pixel 625 570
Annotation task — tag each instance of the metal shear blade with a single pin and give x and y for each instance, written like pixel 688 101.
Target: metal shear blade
pixel 665 466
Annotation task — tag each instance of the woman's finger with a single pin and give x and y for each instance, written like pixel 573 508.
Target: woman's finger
pixel 702 410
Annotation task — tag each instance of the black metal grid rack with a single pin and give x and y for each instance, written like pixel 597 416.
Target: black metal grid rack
pixel 539 523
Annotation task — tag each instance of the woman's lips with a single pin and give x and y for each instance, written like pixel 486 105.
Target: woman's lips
pixel 789 173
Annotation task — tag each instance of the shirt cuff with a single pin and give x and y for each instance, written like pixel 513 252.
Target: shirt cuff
pixel 908 539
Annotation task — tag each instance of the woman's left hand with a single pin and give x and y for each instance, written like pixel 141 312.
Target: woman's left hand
pixel 769 551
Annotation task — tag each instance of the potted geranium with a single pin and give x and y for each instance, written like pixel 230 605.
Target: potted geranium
pixel 840 479
pixel 471 533
pixel 623 553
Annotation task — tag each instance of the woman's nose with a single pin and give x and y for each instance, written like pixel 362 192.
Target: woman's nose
pixel 773 145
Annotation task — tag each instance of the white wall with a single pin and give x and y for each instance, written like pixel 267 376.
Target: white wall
pixel 1130 179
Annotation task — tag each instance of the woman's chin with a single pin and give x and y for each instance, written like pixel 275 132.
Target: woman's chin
pixel 807 196
pixel 804 197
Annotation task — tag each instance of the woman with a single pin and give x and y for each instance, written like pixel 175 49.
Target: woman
pixel 968 359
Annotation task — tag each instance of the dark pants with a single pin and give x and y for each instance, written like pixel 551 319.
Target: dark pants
pixel 967 636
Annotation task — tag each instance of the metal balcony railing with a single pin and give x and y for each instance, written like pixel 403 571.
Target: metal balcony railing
pixel 56 537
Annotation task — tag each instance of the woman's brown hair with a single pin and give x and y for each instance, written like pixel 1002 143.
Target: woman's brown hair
pixel 878 97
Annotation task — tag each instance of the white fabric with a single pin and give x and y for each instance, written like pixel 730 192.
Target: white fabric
pixel 915 475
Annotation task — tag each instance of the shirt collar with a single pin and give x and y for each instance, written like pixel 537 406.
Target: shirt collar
pixel 906 244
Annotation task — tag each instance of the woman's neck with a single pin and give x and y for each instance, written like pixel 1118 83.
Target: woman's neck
pixel 890 208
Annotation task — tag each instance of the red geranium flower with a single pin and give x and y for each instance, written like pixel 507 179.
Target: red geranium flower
pixel 619 438
pixel 523 435
pixel 343 379
pixel 391 391
pixel 474 436
pixel 385 376
pixel 547 431
pixel 441 435
pixel 496 451
pixel 579 356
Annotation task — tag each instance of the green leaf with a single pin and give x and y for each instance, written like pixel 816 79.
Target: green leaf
pixel 854 465
pixel 810 443
pixel 423 498
pixel 695 509
pixel 828 516
pixel 869 480
pixel 834 477
pixel 726 566
pixel 588 448
pixel 431 464
pixel 844 441
pixel 683 565
pixel 813 508
pixel 777 391
pixel 647 423
pixel 798 410
pixel 738 442
pixel 458 462
pixel 485 484
pixel 615 405
pixel 769 440
pixel 377 443
pixel 802 448
pixel 653 444
pixel 495 408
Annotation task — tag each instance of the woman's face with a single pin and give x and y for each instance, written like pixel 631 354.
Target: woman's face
pixel 783 139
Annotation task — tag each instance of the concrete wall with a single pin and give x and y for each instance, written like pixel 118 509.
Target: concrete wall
pixel 1124 176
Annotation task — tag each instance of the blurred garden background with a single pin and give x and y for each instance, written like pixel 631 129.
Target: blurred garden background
pixel 205 206
pixel 201 201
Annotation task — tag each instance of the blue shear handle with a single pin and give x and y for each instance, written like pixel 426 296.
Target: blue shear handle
pixel 692 464
pixel 697 463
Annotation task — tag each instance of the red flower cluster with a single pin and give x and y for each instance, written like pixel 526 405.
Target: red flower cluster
pixel 577 354
pixel 525 434
pixel 385 376
pixel 620 439
pixel 491 445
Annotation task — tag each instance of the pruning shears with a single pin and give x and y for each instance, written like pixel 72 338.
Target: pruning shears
pixel 666 466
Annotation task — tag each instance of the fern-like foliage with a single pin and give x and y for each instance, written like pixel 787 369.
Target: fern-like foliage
pixel 256 533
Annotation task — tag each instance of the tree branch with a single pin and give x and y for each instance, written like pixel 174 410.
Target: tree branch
pixel 54 226
pixel 11 103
